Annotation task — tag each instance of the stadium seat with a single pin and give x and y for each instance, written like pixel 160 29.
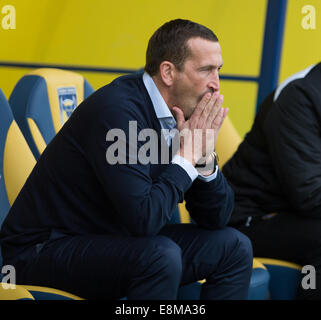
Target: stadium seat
pixel 16 293
pixel 16 163
pixel 16 160
pixel 285 278
pixel 259 283
pixel 228 141
pixel 43 100
pixel 44 293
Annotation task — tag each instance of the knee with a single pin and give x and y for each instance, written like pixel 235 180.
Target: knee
pixel 241 246
pixel 233 246
pixel 162 255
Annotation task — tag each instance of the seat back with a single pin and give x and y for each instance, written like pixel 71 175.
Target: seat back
pixel 16 159
pixel 16 293
pixel 227 142
pixel 45 293
pixel 43 100
pixel 285 278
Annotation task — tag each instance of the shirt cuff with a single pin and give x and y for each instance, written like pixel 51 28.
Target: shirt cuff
pixel 186 165
pixel 210 177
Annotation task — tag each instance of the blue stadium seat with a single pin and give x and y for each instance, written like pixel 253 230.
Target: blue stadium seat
pixel 285 278
pixel 43 100
pixel 260 280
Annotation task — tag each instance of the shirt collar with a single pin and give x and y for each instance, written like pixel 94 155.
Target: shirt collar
pixel 161 109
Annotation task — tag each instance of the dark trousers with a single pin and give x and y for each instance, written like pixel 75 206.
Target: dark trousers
pixel 154 267
pixel 288 237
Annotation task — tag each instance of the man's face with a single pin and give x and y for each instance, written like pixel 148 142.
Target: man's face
pixel 200 75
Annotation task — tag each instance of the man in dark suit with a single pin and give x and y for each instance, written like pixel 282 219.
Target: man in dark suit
pixel 92 218
pixel 276 176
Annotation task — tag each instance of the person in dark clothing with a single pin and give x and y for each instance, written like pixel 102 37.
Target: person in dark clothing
pixel 93 217
pixel 276 176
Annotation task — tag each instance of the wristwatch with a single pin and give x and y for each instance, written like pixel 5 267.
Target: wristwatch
pixel 213 163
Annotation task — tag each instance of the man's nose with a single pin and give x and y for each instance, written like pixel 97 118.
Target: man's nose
pixel 214 84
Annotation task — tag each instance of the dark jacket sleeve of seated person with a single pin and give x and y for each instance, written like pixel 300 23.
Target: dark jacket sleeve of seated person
pixel 293 133
pixel 277 167
pixel 210 204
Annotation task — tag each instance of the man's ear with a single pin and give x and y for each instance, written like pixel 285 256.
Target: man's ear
pixel 166 72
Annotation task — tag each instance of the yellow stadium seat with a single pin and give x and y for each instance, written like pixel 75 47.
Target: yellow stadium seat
pixel 227 142
pixel 44 293
pixel 14 293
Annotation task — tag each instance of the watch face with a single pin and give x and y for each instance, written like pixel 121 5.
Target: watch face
pixel 203 165
pixel 210 166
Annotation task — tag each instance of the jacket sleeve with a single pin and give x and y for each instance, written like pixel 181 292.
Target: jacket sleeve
pixel 142 204
pixel 210 204
pixel 293 134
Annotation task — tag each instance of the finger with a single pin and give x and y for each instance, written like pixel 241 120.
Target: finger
pixel 225 112
pixel 214 112
pixel 217 121
pixel 207 110
pixel 217 127
pixel 179 116
pixel 224 116
pixel 200 107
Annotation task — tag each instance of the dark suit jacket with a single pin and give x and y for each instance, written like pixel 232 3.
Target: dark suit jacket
pixel 277 168
pixel 73 190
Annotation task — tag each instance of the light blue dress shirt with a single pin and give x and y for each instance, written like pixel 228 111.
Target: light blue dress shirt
pixel 167 121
